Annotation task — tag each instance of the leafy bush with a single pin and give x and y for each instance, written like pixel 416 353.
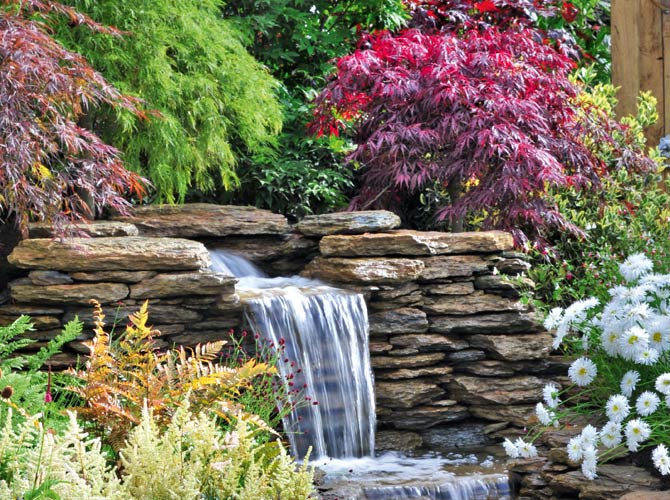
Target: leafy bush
pixel 629 213
pixel 23 384
pixel 216 102
pixel 191 458
pixel 621 379
pixel 122 377
pixel 50 166
pixel 482 114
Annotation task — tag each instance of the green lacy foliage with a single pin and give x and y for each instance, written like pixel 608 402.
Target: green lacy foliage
pixel 20 373
pixel 216 102
pixel 629 214
pixel 190 459
pixel 298 41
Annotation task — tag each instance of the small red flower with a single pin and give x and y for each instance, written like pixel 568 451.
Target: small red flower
pixel 569 12
pixel 486 6
pixel 47 395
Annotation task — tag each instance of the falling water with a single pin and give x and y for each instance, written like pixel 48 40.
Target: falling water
pixel 325 330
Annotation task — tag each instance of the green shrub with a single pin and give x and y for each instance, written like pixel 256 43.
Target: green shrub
pixel 216 102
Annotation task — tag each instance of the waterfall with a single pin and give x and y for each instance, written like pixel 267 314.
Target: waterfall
pixel 325 331
pixel 234 265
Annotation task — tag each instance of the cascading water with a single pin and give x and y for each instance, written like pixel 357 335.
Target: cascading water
pixel 325 330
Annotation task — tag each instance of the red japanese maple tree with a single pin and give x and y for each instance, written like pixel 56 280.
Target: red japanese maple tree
pixel 49 164
pixel 480 109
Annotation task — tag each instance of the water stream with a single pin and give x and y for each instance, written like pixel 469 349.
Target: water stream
pixel 325 331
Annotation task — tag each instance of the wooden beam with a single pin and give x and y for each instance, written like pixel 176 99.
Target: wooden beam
pixel 665 117
pixel 625 53
pixel 651 62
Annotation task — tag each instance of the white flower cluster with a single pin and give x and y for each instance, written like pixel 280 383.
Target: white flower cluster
pixel 633 328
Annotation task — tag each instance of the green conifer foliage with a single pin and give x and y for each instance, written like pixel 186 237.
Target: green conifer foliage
pixel 214 99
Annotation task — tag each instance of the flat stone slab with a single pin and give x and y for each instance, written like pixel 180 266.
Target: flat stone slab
pixel 113 276
pixel 364 271
pixel 388 362
pixel 407 393
pixel 110 254
pixel 453 266
pixel 94 229
pixel 490 323
pixel 205 220
pixel 475 303
pixel 404 320
pixel 80 293
pixel 501 391
pixel 365 221
pixel 514 347
pixel 423 417
pixel 408 242
pixel 184 284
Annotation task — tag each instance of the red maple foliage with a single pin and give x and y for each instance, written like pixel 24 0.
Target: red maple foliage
pixel 484 114
pixel 49 164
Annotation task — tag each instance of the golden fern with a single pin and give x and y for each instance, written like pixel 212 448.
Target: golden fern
pixel 121 377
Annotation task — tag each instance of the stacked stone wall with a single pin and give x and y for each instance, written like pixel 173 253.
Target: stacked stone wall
pixel 450 339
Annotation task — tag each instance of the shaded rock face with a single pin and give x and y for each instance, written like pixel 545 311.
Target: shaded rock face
pixel 200 220
pixel 94 229
pixel 348 223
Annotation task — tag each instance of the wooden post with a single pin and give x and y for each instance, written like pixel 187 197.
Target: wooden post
pixel 640 40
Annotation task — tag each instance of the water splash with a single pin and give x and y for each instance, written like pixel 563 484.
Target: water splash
pixel 234 265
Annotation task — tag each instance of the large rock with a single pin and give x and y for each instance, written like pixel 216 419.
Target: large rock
pixel 406 394
pixel 198 220
pixel 364 271
pixel 111 254
pixel 429 342
pixel 113 276
pixel 95 229
pixel 613 481
pixel 518 415
pixel 474 303
pixel 647 495
pixel 503 391
pixel 451 266
pixel 438 373
pixel 49 278
pixel 158 315
pixel 78 294
pixel 184 284
pixel 264 248
pixel 514 347
pixel 348 223
pixel 406 242
pixel 397 441
pixel 405 320
pixel 511 322
pixel 456 288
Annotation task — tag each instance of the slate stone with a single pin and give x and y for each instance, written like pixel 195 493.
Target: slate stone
pixel 348 223
pixel 184 284
pixel 364 270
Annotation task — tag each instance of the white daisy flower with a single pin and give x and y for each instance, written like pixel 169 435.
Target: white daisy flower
pixel 610 434
pixel 543 415
pixel 636 431
pixel 634 266
pixel 590 462
pixel 554 318
pixel 659 333
pixel 647 403
pixel 661 459
pixel 628 382
pixel 575 449
pixel 550 394
pixel 582 371
pixel 663 384
pixel 510 448
pixel 609 339
pixel 633 342
pixel 526 450
pixel 647 357
pixel 589 435
pixel 617 408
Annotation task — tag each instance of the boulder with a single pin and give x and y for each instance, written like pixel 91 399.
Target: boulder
pixel 474 303
pixel 405 320
pixel 514 347
pixel 499 323
pixel 94 229
pixel 348 223
pixel 382 362
pixel 407 242
pixel 111 254
pixel 503 391
pixel 450 266
pixel 199 220
pixel 184 284
pixel 510 263
pixel 406 394
pixel 77 294
pixel 364 271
